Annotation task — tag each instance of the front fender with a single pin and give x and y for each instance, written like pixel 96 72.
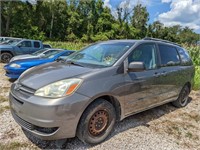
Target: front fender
pixel 7 50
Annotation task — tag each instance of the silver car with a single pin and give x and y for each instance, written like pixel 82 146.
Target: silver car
pixel 37 54
pixel 105 82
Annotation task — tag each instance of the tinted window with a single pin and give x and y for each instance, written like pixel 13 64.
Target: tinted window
pixel 51 54
pixel 25 44
pixel 46 46
pixel 144 53
pixel 65 55
pixel 185 58
pixel 38 52
pixel 168 55
pixel 37 44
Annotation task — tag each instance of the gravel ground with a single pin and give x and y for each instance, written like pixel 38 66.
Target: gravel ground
pixel 164 127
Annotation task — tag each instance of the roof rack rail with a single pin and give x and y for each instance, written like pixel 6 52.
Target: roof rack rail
pixel 155 39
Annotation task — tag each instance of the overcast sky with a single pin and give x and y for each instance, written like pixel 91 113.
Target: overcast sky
pixel 169 12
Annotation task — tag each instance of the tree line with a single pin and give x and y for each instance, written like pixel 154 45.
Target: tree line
pixel 84 20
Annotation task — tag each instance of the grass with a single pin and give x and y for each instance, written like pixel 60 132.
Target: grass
pixel 67 45
pixel 2 109
pixel 3 99
pixel 197 78
pixel 13 146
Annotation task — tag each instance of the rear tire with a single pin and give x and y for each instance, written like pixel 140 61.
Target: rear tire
pixel 183 98
pixel 5 57
pixel 96 122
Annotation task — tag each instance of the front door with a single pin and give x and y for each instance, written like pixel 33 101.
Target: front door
pixel 142 88
pixel 25 47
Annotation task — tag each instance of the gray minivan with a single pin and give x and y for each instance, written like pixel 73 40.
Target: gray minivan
pixel 95 87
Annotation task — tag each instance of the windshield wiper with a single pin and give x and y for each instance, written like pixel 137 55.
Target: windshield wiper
pixel 73 63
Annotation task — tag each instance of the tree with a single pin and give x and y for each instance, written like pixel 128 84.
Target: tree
pixel 139 20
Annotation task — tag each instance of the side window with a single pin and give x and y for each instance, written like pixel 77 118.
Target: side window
pixel 25 44
pixel 36 44
pixel 50 52
pixel 145 53
pixel 46 46
pixel 168 55
pixel 185 58
pixel 64 56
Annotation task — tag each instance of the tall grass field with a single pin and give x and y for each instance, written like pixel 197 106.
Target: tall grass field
pixel 194 52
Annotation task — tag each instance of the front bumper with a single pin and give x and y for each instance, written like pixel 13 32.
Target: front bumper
pixel 13 73
pixel 48 119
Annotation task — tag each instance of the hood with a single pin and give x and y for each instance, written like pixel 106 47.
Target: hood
pixel 43 75
pixel 31 61
pixel 6 47
pixel 19 57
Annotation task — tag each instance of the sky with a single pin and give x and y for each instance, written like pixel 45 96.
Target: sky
pixel 169 12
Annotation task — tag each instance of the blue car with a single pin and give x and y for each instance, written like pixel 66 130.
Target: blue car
pixel 15 68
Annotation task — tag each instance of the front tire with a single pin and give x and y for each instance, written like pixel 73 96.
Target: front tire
pixel 5 57
pixel 183 98
pixel 96 122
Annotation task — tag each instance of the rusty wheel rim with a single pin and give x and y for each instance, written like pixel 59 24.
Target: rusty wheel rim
pixel 98 122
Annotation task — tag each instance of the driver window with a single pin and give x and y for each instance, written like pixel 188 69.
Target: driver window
pixel 145 53
pixel 25 44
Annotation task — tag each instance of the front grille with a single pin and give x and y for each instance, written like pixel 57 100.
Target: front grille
pixel 30 126
pixel 46 130
pixel 23 122
pixel 24 89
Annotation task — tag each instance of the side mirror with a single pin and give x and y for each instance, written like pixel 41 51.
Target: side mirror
pixel 136 67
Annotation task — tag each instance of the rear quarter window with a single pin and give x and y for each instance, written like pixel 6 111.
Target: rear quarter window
pixel 185 57
pixel 168 55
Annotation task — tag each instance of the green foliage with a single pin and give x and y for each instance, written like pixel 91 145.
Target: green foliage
pixel 194 52
pixel 67 45
pixel 86 21
pixel 197 78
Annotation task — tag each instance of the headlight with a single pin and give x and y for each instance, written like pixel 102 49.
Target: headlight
pixel 60 88
pixel 15 65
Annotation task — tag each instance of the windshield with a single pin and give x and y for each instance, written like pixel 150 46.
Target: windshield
pixel 100 54
pixel 52 53
pixel 14 43
pixel 38 52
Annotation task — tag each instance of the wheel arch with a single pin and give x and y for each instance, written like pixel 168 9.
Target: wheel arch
pixel 6 51
pixel 189 85
pixel 113 100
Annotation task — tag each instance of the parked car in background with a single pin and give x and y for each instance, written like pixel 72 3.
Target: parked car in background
pixel 24 46
pixel 3 39
pixel 47 46
pixel 15 68
pixel 37 54
pixel 7 42
pixel 99 85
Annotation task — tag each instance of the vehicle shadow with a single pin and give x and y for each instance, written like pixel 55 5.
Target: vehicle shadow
pixel 140 119
pixel 12 80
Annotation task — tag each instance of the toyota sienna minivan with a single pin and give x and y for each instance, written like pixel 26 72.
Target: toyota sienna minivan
pixel 103 83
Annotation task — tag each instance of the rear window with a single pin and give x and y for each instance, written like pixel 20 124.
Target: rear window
pixel 168 55
pixel 185 58
pixel 37 44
